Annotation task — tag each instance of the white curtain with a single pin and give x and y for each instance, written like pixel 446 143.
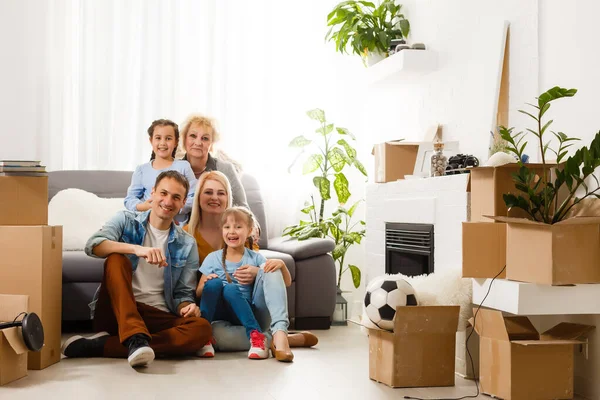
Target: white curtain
pixel 111 67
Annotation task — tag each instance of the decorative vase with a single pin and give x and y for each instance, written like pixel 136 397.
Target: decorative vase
pixel 439 161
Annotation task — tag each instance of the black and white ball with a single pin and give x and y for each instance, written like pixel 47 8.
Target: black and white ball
pixel 383 296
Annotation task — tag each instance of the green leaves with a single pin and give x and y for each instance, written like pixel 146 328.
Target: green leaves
pixel 355 271
pixel 299 141
pixel 364 27
pixel 540 189
pixel 341 188
pixel 312 164
pixel 327 154
pixel 324 186
pixel 316 114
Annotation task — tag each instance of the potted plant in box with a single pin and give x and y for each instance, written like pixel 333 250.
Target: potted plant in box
pixel 366 28
pixel 547 199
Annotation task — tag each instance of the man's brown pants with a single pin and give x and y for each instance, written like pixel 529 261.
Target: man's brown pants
pixel 121 316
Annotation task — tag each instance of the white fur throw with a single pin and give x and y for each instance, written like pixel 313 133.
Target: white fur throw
pixel 81 214
pixel 446 288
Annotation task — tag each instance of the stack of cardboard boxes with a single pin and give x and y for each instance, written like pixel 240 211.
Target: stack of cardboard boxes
pixel 515 360
pixel 32 259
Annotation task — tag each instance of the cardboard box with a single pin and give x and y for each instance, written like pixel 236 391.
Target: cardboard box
pixel 517 363
pixel 32 265
pixel 483 249
pixel 394 159
pixel 24 200
pixel 13 352
pixel 565 253
pixel 420 352
pixel 489 184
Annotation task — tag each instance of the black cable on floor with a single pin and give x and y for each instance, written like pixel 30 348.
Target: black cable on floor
pixel 468 352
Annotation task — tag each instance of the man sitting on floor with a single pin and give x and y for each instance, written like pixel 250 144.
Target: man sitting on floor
pixel 145 304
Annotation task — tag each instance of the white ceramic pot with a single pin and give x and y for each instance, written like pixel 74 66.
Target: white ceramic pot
pixel 373 58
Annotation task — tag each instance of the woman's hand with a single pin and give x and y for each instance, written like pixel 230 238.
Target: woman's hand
pixel 145 206
pixel 246 274
pixel 273 265
pixel 211 276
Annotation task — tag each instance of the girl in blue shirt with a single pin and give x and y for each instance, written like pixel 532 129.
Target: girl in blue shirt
pixel 164 138
pixel 222 297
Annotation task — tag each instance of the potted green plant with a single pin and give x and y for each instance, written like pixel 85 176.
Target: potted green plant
pixel 367 29
pixel 552 246
pixel 540 198
pixel 327 155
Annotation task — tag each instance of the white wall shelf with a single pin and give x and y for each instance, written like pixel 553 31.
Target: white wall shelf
pixel 406 63
pixel 532 299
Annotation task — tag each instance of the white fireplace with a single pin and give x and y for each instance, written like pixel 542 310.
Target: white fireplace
pixel 440 201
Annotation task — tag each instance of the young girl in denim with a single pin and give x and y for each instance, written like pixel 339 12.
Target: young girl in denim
pixel 222 297
pixel 164 138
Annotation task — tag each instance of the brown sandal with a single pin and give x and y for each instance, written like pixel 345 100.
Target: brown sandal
pixel 280 355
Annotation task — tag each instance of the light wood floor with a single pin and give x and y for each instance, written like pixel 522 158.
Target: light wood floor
pixel 336 369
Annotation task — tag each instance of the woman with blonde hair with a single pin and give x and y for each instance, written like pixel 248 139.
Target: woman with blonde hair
pixel 269 296
pixel 198 135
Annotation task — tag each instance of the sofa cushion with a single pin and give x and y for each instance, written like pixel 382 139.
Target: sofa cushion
pixel 79 267
pixel 287 259
pixel 81 214
pixel 301 249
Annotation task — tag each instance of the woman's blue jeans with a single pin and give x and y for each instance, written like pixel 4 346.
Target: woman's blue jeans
pixel 224 301
pixel 269 301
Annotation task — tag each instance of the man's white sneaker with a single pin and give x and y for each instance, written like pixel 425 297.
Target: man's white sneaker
pixel 258 346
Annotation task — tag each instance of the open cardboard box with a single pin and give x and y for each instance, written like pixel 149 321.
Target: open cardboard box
pixel 394 159
pixel 13 351
pixel 420 352
pixel 564 253
pixel 489 184
pixel 32 265
pixel 483 249
pixel 516 362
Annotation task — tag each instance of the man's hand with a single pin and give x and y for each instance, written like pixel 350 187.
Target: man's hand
pixel 246 274
pixel 191 310
pixel 152 255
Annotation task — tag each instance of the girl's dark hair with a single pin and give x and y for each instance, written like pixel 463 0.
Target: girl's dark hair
pixel 164 122
pixel 237 212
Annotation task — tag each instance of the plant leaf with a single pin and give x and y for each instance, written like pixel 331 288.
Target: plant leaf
pixel 326 130
pixel 360 167
pixel 353 208
pixel 316 114
pixel 338 251
pixel 299 141
pixel 337 159
pixel 312 163
pixel 324 186
pixel 349 149
pixel 344 131
pixel 355 271
pixel 340 185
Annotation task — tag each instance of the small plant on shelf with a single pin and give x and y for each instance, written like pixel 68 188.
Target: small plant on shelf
pixel 365 28
pixel 540 198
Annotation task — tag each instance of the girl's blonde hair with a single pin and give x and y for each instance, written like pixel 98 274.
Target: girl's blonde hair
pixel 196 217
pixel 209 123
pixel 249 219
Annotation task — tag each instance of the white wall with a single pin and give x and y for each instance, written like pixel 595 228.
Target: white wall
pixel 21 66
pixel 569 57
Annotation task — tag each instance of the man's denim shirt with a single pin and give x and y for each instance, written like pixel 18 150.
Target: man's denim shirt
pixel 182 254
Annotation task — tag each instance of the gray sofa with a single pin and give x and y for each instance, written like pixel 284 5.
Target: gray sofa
pixel 311 297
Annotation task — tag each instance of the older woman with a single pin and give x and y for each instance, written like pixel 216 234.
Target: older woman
pixel 269 298
pixel 198 135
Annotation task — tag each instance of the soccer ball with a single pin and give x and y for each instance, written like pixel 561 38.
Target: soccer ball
pixel 383 296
